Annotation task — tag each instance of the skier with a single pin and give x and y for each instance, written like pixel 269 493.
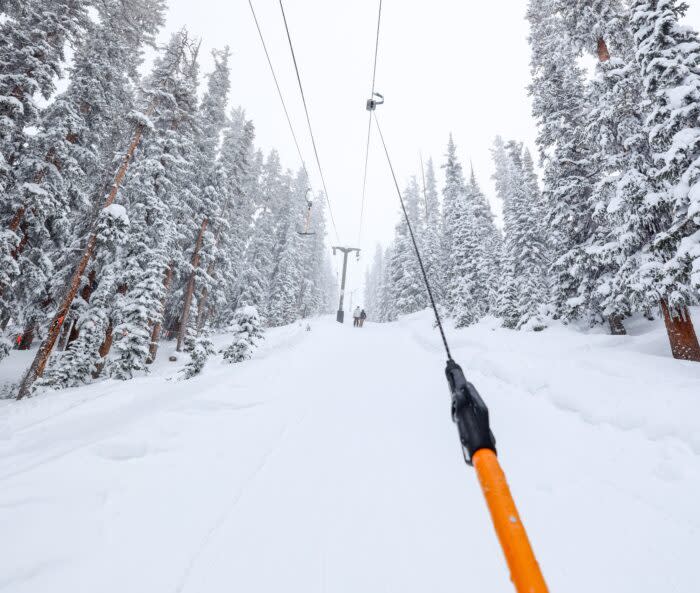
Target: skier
pixel 363 316
pixel 356 317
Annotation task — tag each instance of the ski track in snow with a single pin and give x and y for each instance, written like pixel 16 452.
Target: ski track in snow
pixel 218 524
pixel 329 463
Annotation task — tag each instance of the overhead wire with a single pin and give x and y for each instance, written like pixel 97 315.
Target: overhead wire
pixel 308 121
pixel 277 85
pixel 369 126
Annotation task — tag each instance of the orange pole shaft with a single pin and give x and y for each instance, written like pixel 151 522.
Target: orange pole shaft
pixel 524 570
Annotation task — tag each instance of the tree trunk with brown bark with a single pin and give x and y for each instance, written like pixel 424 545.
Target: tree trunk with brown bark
pixel 617 328
pixel 202 304
pixel 86 293
pixel 681 333
pixel 42 356
pixel 189 290
pixel 105 347
pixel 66 334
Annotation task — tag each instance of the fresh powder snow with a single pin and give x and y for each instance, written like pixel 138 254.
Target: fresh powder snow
pixel 329 462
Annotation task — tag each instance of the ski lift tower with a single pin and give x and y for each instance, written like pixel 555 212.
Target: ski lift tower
pixel 340 317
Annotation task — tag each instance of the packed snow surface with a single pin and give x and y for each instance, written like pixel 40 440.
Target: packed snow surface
pixel 329 463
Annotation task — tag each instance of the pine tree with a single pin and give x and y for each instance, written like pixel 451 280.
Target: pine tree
pixel 247 336
pixel 211 195
pixel 408 290
pixel 232 228
pixel 523 286
pixel 84 357
pixel 74 144
pixel 431 233
pixel 373 281
pixel 287 273
pixel 570 169
pixel 386 302
pixel 259 255
pixel 668 55
pixel 32 52
pixel 470 237
pixel 314 264
pixel 199 346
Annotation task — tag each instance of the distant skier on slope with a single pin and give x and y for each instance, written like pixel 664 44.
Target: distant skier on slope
pixel 356 317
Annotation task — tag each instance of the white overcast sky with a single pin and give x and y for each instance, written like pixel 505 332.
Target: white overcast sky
pixel 444 66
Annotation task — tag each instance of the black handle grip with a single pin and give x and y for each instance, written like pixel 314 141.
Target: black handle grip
pixel 469 413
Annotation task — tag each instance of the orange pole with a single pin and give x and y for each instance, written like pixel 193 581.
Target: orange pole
pixel 524 570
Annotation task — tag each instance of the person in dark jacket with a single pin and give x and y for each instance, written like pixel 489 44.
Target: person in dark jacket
pixel 363 316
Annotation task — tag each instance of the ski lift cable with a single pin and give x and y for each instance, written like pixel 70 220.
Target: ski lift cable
pixel 308 121
pixel 277 85
pixel 471 415
pixel 369 125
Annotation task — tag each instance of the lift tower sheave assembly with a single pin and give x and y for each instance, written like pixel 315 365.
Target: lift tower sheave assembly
pixel 340 317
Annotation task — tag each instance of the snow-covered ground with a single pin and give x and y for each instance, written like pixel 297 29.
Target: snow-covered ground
pixel 329 464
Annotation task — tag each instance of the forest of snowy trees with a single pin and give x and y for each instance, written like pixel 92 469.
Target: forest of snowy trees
pixel 136 208
pixel 614 227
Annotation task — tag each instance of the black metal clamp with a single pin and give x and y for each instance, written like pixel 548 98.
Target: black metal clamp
pixel 372 102
pixel 469 413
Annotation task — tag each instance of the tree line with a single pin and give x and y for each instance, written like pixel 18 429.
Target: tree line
pixel 134 207
pixel 613 228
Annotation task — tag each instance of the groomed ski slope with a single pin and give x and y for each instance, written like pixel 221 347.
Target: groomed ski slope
pixel 329 464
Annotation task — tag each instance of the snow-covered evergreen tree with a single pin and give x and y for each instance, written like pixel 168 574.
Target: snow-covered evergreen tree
pixel 158 180
pixel 373 282
pixel 287 273
pixel 32 53
pixel 407 287
pixel 523 289
pixel 259 255
pixel 570 169
pixel 469 241
pixel 83 359
pixel 233 227
pixel 431 233
pixel 668 259
pixel 248 332
pixel 199 346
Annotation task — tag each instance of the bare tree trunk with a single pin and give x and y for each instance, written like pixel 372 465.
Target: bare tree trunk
pixel 603 53
pixel 42 356
pixel 65 337
pixel 681 333
pixel 109 338
pixel 86 293
pixel 105 347
pixel 202 311
pixel 17 218
pixel 617 328
pixel 155 334
pixel 189 291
